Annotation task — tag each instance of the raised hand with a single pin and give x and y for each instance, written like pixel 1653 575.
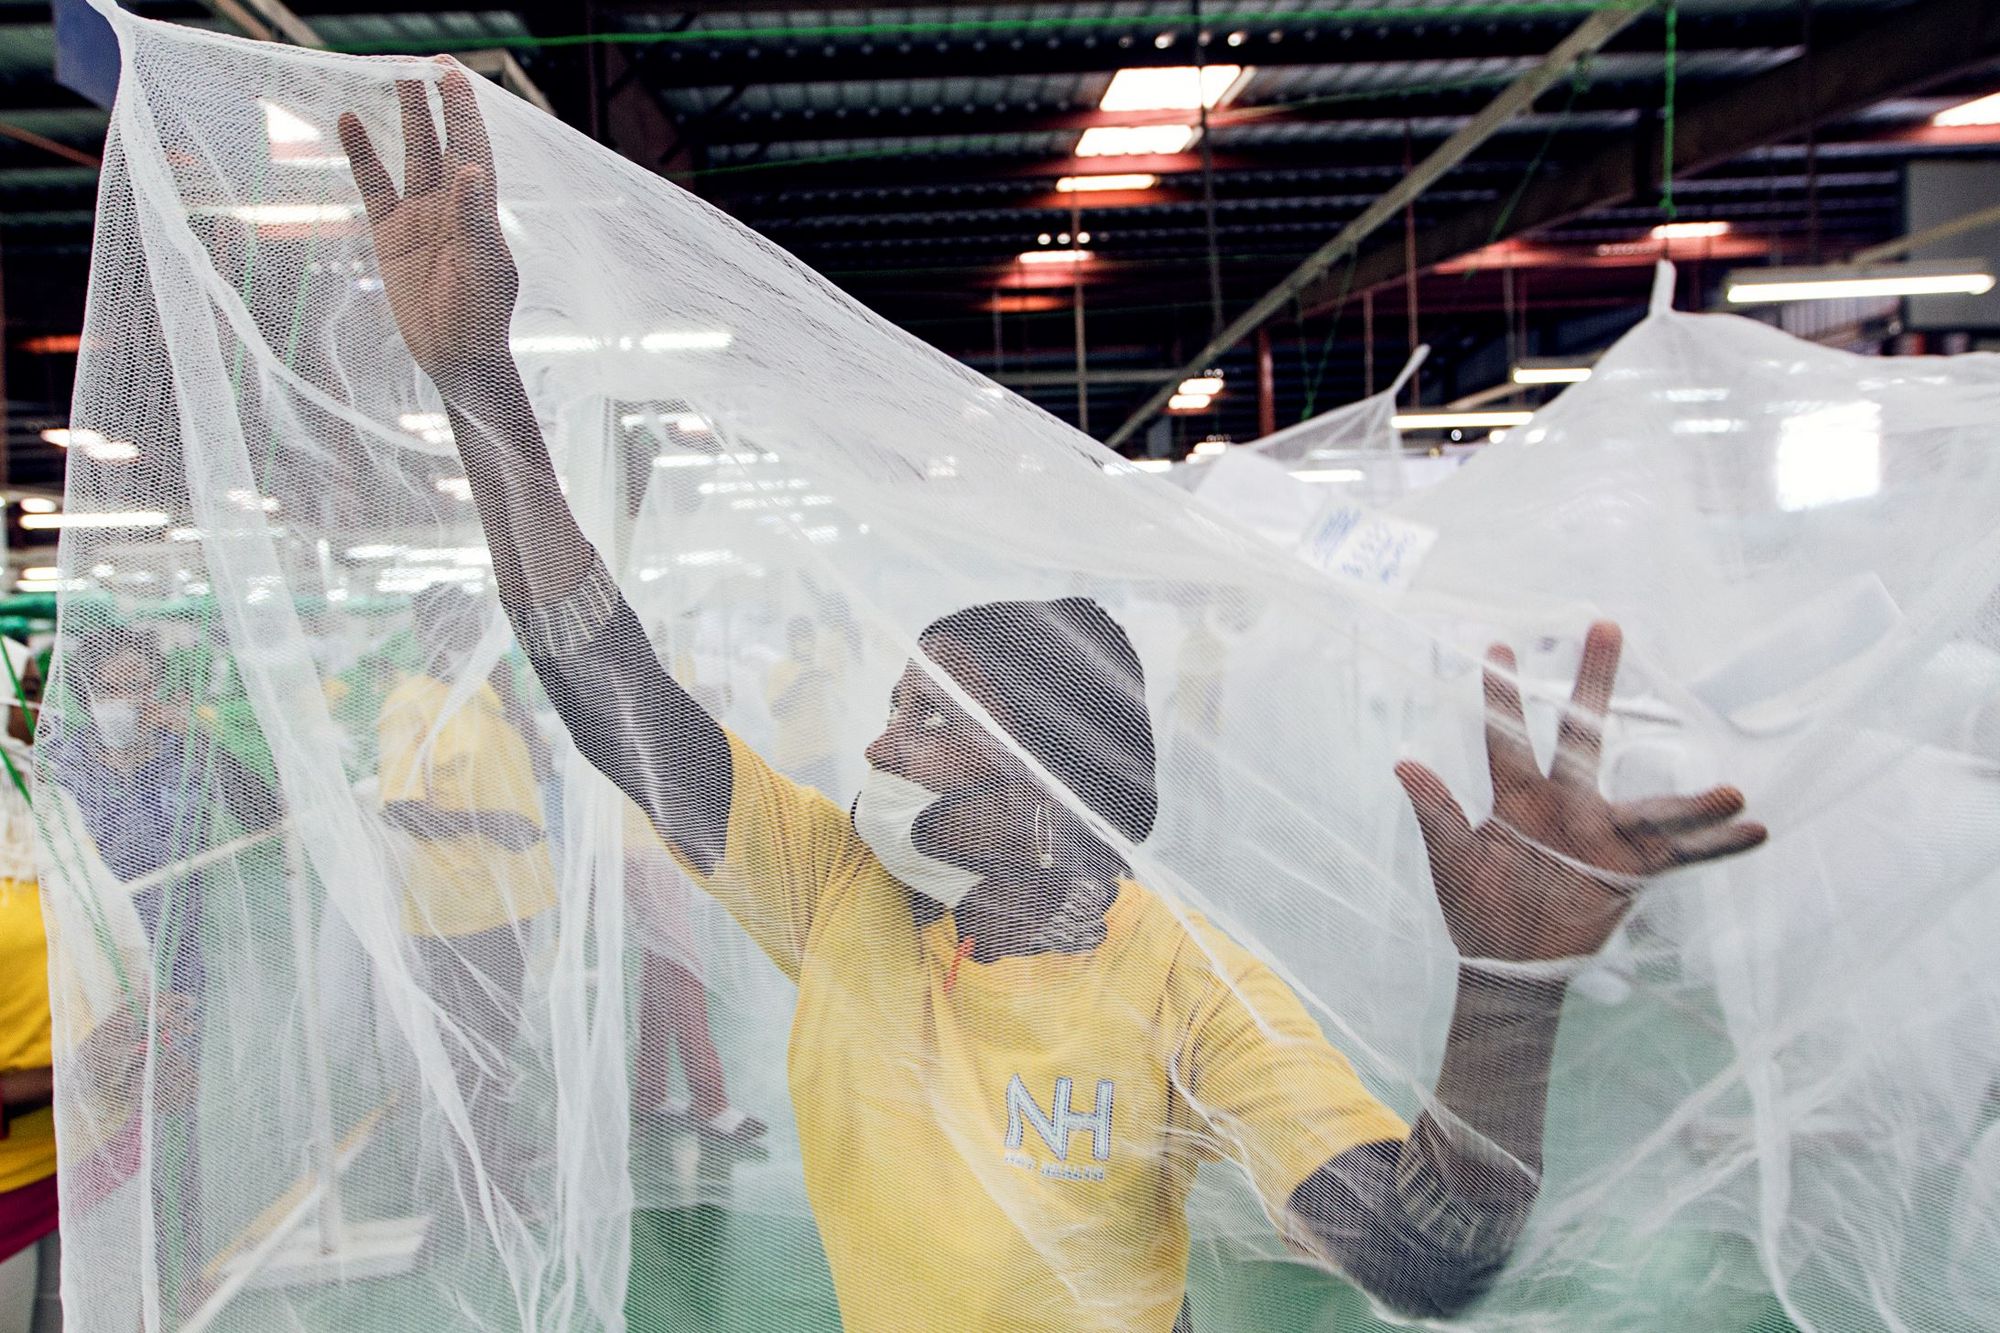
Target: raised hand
pixel 446 269
pixel 1554 869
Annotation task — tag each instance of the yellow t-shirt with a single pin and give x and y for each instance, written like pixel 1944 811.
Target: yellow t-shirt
pixel 1014 1149
pixel 804 731
pixel 28 1153
pixel 477 762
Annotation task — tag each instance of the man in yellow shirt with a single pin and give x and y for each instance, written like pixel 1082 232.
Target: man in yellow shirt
pixel 462 785
pixel 800 693
pixel 1007 1056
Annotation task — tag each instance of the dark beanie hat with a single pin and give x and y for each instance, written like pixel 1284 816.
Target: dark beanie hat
pixel 1069 690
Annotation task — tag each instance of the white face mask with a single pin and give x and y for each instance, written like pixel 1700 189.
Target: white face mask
pixel 117 722
pixel 885 815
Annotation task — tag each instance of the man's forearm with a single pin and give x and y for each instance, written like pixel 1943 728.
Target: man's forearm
pixel 515 489
pixel 24 1091
pixel 627 715
pixel 1425 1225
pixel 1495 1075
pixel 424 820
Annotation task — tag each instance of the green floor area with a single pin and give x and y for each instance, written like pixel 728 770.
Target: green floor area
pixel 705 1270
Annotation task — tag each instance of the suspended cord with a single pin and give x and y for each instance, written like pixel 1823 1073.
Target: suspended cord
pixel 1333 327
pixel 1207 171
pixel 1667 112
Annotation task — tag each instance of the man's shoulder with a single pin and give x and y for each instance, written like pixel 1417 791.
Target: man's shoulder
pixel 1178 937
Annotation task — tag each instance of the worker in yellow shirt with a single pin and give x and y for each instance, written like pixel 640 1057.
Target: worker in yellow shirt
pixel 462 785
pixel 1007 1055
pixel 800 693
pixel 673 996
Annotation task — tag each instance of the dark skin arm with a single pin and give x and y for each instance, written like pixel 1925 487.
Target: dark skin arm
pixel 23 1092
pixel 452 284
pixel 1548 876
pixel 516 833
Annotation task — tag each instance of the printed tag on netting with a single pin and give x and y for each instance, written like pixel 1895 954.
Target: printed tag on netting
pixel 1366 546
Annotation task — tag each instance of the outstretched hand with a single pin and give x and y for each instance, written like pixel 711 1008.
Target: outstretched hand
pixel 446 269
pixel 1555 867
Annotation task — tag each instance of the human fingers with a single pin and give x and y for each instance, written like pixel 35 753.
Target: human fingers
pixel 1677 814
pixel 423 160
pixel 1716 842
pixel 1509 757
pixel 466 144
pixel 1447 834
pixel 378 191
pixel 1580 738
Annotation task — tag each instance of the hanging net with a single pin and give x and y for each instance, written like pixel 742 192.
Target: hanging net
pixel 591 783
pixel 1280 485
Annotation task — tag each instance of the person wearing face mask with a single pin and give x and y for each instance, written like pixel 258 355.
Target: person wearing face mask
pixel 152 794
pixel 459 777
pixel 1007 1055
pixel 800 691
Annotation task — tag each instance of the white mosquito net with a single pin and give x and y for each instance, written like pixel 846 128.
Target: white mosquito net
pixel 655 800
pixel 1282 484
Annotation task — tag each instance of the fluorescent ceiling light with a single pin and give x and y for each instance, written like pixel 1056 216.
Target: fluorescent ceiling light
pixel 1829 455
pixel 687 423
pixel 1687 231
pixel 282 126
pixel 1054 256
pixel 1188 402
pixel 1153 464
pixel 430 427
pixel 41 572
pixel 1169 88
pixel 1979 111
pixel 1138 180
pixel 1206 386
pixel 289 215
pixel 690 340
pixel 1948 278
pixel 1527 374
pixel 676 340
pixel 1457 420
pixel 553 342
pixel 1134 140
pixel 123 518
pixel 457 487
pixel 37 504
pixel 1210 449
pixel 710 460
pixel 1325 474
pixel 95 444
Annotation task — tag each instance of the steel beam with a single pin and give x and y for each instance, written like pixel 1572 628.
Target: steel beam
pixel 936 120
pixel 1912 48
pixel 1588 37
pixel 811 55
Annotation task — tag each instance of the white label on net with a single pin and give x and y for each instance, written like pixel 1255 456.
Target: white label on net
pixel 1355 543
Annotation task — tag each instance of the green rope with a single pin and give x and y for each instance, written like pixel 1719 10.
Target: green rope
pixel 20 698
pixel 1333 327
pixel 1672 77
pixel 1579 79
pixel 1032 24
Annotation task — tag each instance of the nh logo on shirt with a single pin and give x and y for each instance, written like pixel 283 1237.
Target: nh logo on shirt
pixel 1060 1122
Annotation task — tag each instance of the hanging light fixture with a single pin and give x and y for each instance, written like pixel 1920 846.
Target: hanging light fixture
pixel 1834 282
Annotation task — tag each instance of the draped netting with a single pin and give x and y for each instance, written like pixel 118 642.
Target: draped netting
pixel 1035 850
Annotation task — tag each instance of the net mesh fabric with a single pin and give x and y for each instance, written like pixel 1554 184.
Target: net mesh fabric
pixel 547 565
pixel 1284 485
